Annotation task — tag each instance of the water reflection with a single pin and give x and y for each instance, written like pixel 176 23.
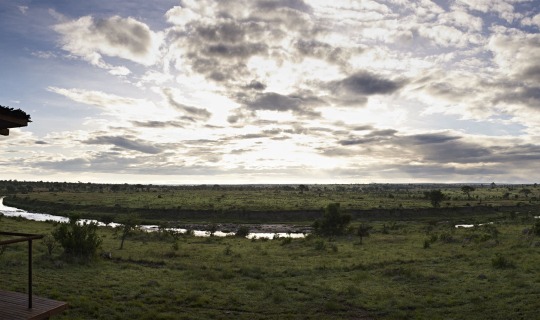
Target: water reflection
pixel 15 212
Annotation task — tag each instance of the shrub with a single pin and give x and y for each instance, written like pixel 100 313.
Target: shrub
pixel 286 241
pixel 320 245
pixel 50 243
pixel 446 237
pixel 501 262
pixel 536 228
pixel 78 239
pixel 242 232
pixel 333 222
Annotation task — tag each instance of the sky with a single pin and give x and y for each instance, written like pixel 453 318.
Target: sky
pixel 260 91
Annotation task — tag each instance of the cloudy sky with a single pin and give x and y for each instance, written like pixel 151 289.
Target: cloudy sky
pixel 258 91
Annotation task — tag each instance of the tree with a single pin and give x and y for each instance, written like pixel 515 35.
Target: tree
pixel 333 222
pixel 303 188
pixel 467 190
pixel 363 231
pixel 127 229
pixel 435 196
pixel 525 192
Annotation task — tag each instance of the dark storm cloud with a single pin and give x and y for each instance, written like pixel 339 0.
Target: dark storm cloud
pixel 365 84
pixel 125 143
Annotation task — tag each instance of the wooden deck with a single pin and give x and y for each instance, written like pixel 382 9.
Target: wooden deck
pixel 14 306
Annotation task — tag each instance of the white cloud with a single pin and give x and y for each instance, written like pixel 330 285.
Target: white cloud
pixel 517 55
pixel 504 8
pixel 125 38
pixel 96 98
pixel 531 21
pixel 462 19
pixel 23 9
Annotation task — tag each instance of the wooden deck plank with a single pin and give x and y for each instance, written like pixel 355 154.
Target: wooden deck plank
pixel 14 306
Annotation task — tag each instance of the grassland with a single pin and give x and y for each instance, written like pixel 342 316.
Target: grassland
pixel 460 274
pixel 262 204
pixel 414 265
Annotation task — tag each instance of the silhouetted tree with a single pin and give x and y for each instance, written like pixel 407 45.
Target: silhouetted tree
pixel 467 190
pixel 363 231
pixel 435 197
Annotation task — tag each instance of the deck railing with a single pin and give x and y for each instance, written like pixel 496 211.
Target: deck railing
pixel 22 237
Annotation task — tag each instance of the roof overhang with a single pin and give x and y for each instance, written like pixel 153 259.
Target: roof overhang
pixel 9 121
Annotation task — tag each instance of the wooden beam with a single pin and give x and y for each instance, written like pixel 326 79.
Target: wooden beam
pixel 4 132
pixel 16 122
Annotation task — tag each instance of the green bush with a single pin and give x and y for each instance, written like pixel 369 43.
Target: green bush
pixel 78 239
pixel 501 262
pixel 333 222
pixel 242 232
pixel 536 228
pixel 320 245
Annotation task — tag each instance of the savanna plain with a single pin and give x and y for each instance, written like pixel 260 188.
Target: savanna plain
pixel 377 251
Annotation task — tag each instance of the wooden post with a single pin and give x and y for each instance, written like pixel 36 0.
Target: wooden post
pixel 30 274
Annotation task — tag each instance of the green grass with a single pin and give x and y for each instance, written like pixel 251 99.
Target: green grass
pixel 390 276
pixel 269 204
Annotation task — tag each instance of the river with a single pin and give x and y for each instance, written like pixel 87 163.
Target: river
pixel 15 212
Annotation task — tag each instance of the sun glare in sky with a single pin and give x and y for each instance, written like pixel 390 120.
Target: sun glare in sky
pixel 299 91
